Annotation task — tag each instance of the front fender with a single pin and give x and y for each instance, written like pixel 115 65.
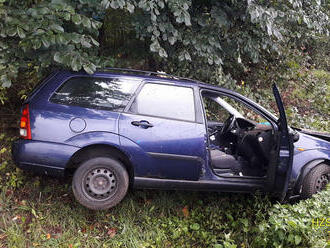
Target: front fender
pixel 305 161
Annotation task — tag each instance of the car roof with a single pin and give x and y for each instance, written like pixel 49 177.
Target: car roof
pixel 143 75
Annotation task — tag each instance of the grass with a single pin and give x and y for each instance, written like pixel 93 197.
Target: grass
pixel 43 213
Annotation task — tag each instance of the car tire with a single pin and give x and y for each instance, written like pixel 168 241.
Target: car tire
pixel 100 183
pixel 316 180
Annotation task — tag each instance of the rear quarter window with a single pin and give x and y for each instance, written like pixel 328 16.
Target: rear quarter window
pixel 100 93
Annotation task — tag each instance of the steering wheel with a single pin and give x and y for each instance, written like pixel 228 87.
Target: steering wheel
pixel 228 124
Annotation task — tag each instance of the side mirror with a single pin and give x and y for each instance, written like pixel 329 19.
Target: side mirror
pixel 295 136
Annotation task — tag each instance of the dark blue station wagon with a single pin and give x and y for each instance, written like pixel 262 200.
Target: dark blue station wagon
pixel 120 128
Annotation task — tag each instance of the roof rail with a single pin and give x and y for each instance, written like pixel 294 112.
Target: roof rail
pixel 147 73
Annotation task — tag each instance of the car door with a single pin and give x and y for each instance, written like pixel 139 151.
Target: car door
pixel 160 132
pixel 285 158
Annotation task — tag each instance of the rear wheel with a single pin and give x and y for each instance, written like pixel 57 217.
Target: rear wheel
pixel 316 180
pixel 100 183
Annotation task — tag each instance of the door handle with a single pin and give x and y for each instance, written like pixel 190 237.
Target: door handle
pixel 142 123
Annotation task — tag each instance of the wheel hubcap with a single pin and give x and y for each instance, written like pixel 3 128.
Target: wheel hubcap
pixel 100 183
pixel 321 182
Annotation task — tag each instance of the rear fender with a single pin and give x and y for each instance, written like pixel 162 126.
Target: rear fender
pixel 91 138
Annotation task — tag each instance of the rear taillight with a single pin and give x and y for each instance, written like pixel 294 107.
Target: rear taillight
pixel 25 129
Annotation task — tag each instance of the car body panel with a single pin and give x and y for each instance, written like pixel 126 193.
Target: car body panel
pixel 176 148
pixel 308 142
pixel 43 157
pixel 223 185
pixel 308 149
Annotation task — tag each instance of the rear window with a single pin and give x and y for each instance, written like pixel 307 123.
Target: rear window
pixel 99 93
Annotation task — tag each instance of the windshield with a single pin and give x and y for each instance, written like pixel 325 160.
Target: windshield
pixel 241 110
pixel 228 107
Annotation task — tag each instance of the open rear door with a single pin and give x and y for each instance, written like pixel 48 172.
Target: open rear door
pixel 285 156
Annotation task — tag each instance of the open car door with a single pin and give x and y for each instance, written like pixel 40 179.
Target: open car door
pixel 285 155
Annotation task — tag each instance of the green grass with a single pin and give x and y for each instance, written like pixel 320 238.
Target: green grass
pixel 47 216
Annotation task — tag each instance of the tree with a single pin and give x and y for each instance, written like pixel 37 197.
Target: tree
pixel 229 33
pixel 194 33
pixel 42 34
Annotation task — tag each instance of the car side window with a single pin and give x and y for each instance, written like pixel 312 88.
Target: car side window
pixel 167 101
pixel 100 93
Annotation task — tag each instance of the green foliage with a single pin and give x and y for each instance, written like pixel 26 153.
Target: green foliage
pixel 193 34
pixel 45 34
pixel 304 86
pixel 224 33
pixel 296 225
pixel 10 175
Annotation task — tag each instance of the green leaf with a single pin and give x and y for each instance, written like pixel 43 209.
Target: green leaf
pixel 187 56
pixel 292 223
pixel 44 11
pixel 130 7
pixel 6 82
pixel 45 42
pixel 96 25
pixel 60 39
pixel 76 63
pixel 67 16
pixel 86 22
pixel 187 19
pixel 89 68
pixel 195 226
pixel 76 38
pixel 85 43
pixel 12 31
pixel 58 57
pixel 105 4
pixel 94 41
pixel 20 33
pixel 57 28
pixel 297 239
pixel 36 44
pixel 245 222
pixel 162 53
pixel 161 4
pixel 39 31
pixel 76 19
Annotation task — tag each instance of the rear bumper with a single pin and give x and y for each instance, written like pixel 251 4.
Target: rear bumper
pixel 42 157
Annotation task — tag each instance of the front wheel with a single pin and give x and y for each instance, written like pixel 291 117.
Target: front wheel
pixel 316 180
pixel 100 183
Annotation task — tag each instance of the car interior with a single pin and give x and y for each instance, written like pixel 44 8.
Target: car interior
pixel 240 139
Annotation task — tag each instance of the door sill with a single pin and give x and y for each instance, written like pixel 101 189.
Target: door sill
pixel 201 185
pixel 227 174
